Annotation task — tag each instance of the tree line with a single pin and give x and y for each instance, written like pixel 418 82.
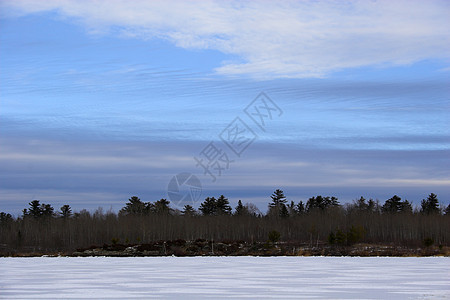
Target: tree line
pixel 320 220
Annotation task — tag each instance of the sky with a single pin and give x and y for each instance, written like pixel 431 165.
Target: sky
pixel 103 100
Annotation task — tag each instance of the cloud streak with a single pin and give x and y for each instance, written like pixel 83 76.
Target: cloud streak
pixel 86 174
pixel 268 39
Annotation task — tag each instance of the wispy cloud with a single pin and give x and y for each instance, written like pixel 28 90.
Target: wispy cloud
pixel 269 39
pixel 87 174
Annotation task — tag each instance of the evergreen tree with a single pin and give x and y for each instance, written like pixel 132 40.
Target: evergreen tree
pixel 209 206
pixel 274 236
pixel 355 234
pixel 278 205
pixel 300 208
pixel 333 201
pixel 292 209
pixel 134 206
pixel 241 210
pixel 361 204
pixel 223 206
pixel 149 207
pixel 278 198
pixel 284 213
pixel 321 203
pixel 392 205
pixel 47 210
pixel 188 211
pixel 341 237
pixel 38 210
pixel 314 203
pixel 5 218
pixel 35 209
pixel 371 205
pixel 66 211
pixel 406 207
pixel 430 205
pixel 162 207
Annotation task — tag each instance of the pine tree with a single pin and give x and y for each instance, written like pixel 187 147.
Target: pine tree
pixel 371 205
pixel 430 205
pixel 47 210
pixel 278 205
pixel 284 213
pixel 361 204
pixel 5 218
pixel 209 206
pixel 292 209
pixel 35 209
pixel 278 198
pixel 341 237
pixel 188 211
pixel 313 203
pixel 321 203
pixel 406 207
pixel 162 207
pixel 355 234
pixel 392 205
pixel 300 208
pixel 38 210
pixel 240 210
pixel 134 206
pixel 274 236
pixel 333 201
pixel 66 211
pixel 223 206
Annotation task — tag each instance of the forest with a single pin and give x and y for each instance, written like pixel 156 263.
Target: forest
pixel 321 220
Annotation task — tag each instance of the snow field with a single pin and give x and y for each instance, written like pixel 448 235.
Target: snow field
pixel 223 277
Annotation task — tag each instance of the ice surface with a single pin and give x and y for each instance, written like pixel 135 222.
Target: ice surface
pixel 222 277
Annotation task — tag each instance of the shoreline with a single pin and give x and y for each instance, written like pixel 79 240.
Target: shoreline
pixel 204 248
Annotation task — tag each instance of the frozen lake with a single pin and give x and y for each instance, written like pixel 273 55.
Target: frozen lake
pixel 221 277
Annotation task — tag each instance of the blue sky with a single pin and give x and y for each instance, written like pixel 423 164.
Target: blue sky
pixel 103 100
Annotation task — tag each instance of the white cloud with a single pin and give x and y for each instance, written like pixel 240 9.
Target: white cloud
pixel 273 38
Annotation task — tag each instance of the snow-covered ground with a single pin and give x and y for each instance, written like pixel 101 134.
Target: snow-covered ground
pixel 221 277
